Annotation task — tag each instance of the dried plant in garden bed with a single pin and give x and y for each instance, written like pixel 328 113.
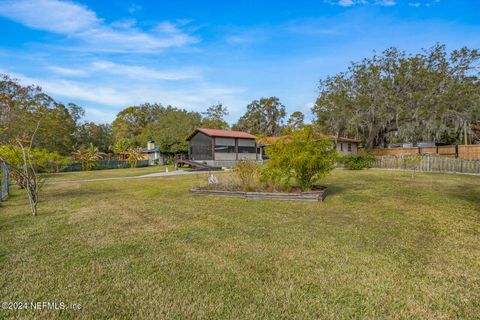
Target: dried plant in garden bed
pixel 313 195
pixel 226 183
pixel 230 185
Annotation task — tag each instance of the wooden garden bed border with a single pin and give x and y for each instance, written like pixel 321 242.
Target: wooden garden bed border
pixel 317 195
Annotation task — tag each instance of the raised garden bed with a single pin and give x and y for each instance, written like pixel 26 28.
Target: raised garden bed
pixel 315 195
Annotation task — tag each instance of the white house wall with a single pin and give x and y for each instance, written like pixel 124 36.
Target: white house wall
pixel 225 156
pixel 152 157
pixel 344 150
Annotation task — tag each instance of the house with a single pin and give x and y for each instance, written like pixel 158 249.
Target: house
pixel 152 154
pixel 221 147
pixel 343 145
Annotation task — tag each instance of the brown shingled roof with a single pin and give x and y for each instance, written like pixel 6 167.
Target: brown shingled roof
pixel 343 139
pixel 222 133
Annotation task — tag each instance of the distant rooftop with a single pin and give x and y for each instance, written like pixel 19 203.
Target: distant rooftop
pixel 269 140
pixel 153 150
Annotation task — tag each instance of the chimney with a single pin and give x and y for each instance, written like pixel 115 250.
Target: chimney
pixel 150 144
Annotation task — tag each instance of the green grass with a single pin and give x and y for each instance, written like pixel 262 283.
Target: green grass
pixel 381 246
pixel 108 173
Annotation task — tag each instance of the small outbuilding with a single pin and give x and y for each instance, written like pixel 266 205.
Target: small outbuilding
pixel 345 145
pixel 152 154
pixel 221 147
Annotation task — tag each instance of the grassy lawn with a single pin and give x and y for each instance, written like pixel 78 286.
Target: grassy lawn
pixel 108 173
pixel 381 246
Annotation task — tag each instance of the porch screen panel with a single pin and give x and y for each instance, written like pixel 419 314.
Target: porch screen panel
pixel 201 147
pixel 225 145
pixel 246 146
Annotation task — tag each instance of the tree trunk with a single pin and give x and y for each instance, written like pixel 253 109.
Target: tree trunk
pixel 371 138
pixel 465 133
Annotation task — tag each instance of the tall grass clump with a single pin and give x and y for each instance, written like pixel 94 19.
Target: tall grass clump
pixel 247 174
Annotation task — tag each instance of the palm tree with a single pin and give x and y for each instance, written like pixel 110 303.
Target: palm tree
pixel 88 156
pixel 133 155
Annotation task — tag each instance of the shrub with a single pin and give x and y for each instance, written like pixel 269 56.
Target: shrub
pixel 122 145
pixel 42 160
pixel 169 160
pixel 358 161
pixel 412 163
pixel 133 155
pixel 304 156
pixel 247 173
pixel 88 157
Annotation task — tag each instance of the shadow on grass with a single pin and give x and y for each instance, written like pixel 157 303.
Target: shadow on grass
pixel 469 193
pixel 334 189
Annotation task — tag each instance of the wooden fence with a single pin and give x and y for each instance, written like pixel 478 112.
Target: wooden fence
pixel 461 151
pixel 429 163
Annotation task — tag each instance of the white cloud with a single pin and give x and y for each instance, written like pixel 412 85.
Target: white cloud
pixel 103 101
pixel 83 91
pixel 124 24
pixel 104 67
pixel 427 3
pixel 79 22
pixel 144 72
pixel 68 72
pixel 50 15
pixel 350 3
pixel 346 3
pixel 384 3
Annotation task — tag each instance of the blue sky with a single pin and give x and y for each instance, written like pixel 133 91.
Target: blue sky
pixel 107 55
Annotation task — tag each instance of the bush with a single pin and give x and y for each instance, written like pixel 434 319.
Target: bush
pixel 304 156
pixel 42 160
pixel 169 160
pixel 358 161
pixel 412 163
pixel 122 145
pixel 88 157
pixel 247 173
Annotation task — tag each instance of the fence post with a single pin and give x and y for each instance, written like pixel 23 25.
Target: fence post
pixel 5 183
pixel 456 151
